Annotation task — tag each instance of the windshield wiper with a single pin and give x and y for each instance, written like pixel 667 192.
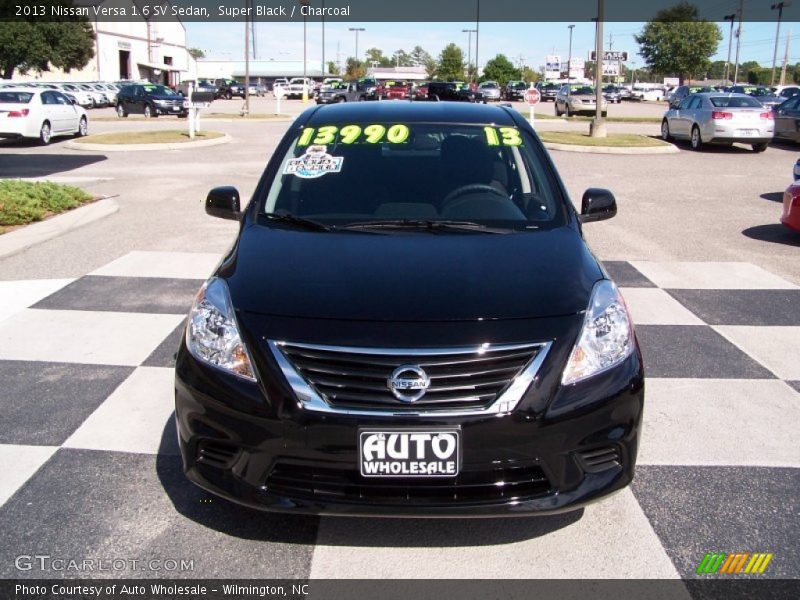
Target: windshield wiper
pixel 426 225
pixel 310 224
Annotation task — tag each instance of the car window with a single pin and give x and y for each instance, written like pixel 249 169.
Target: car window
pixel 735 102
pixel 685 103
pixel 47 98
pixel 15 97
pixel 159 90
pixel 694 102
pixel 495 176
pixel 581 90
pixel 791 104
pixel 61 98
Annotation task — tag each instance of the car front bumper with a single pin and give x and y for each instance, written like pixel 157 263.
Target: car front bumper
pixel 296 460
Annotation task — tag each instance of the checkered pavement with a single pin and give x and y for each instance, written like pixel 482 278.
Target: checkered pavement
pixel 91 466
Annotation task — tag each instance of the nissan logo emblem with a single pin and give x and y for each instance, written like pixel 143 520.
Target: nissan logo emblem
pixel 408 383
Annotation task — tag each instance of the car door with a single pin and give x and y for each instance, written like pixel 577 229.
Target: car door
pixel 691 114
pixel 787 118
pixel 677 123
pixel 69 114
pixel 138 100
pixel 53 111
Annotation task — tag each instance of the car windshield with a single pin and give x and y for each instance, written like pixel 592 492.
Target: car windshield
pixel 159 90
pixel 516 84
pixel 581 90
pixel 760 92
pixel 735 102
pixel 489 84
pixel 341 175
pixel 15 97
pixel 610 88
pixel 550 86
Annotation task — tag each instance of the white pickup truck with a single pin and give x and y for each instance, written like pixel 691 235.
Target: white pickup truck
pixel 295 88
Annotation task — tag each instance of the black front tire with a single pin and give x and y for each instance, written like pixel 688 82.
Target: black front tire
pixel 696 139
pixel 665 134
pixel 148 112
pixel 761 147
pixel 121 112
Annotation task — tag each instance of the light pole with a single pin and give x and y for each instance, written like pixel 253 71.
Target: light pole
pixel 598 127
pixel 779 7
pixel 246 107
pixel 730 18
pixel 569 55
pixel 356 29
pixel 477 28
pixel 469 33
pixel 740 14
pixel 305 48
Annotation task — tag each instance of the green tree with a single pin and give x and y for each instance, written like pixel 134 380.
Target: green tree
pixel 430 67
pixel 716 70
pixel 500 69
pixel 354 68
pixel 196 53
pixel 333 68
pixel 375 55
pixel 41 45
pixel 678 43
pixel 402 58
pixel 419 58
pixel 451 63
pixel 528 75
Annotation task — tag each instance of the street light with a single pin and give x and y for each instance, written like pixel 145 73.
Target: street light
pixel 469 33
pixel 569 56
pixel 730 18
pixel 740 14
pixel 356 29
pixel 779 7
pixel 305 48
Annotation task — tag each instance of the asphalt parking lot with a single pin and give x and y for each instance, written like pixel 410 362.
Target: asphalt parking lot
pixel 89 322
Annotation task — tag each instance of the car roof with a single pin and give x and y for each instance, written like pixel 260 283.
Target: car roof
pixel 410 112
pixel 27 89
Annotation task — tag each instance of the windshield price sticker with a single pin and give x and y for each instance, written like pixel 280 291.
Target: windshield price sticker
pixel 316 162
pixel 351 134
pixel 505 136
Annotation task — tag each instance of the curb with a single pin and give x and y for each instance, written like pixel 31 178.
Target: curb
pixel 41 231
pixel 666 149
pixel 72 145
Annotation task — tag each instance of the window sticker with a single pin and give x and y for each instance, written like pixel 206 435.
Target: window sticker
pixel 316 162
pixel 352 134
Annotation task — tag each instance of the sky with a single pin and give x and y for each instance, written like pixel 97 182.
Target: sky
pixel 528 43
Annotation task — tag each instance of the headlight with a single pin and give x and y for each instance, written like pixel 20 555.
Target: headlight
pixel 606 338
pixel 212 335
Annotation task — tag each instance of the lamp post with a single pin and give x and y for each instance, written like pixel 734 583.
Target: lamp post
pixel 477 27
pixel 246 107
pixel 730 18
pixel 598 126
pixel 569 55
pixel 305 49
pixel 779 7
pixel 469 33
pixel 740 14
pixel 356 29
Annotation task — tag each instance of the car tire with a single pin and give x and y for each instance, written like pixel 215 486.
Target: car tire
pixel 665 134
pixel 121 112
pixel 760 147
pixel 83 128
pixel 45 133
pixel 558 112
pixel 148 112
pixel 228 96
pixel 696 138
pixel 566 112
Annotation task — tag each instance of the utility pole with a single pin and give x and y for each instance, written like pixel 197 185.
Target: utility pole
pixel 732 19
pixel 598 126
pixel 246 109
pixel 779 7
pixel 738 40
pixel 323 39
pixel 469 33
pixel 786 58
pixel 477 27
pixel 356 29
pixel 569 56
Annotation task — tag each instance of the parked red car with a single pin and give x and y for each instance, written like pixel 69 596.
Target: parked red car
pixel 791 207
pixel 395 90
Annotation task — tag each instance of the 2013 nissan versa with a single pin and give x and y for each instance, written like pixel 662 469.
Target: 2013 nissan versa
pixel 410 323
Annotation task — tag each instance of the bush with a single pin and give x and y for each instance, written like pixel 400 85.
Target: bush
pixel 22 202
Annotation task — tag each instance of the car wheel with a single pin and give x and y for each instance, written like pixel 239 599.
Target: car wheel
pixel 697 140
pixel 121 112
pixel 228 96
pixel 45 133
pixel 558 112
pixel 148 112
pixel 665 135
pixel 83 128
pixel 566 111
pixel 760 147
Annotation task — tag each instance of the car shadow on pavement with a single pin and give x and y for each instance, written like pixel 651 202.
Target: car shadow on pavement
pixel 773 196
pixel 41 165
pixel 240 521
pixel 774 233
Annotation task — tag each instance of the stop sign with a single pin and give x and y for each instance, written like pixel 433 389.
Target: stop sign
pixel 532 96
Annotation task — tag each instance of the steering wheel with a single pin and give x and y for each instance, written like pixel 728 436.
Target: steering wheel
pixel 470 188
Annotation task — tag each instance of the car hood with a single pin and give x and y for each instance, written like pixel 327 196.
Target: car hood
pixel 583 97
pixel 410 276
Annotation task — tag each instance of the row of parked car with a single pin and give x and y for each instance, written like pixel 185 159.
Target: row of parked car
pixel 90 94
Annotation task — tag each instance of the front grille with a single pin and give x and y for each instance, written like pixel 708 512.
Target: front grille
pixel 599 459
pixel 357 378
pixel 495 484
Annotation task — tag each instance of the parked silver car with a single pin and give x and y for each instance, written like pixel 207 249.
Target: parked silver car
pixel 715 118
pixel 578 98
pixel 490 90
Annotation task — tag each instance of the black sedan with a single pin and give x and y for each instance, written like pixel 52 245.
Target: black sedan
pixel 448 346
pixel 150 100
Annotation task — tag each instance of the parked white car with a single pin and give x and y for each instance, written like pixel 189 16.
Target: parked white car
pixel 39 114
pixel 647 94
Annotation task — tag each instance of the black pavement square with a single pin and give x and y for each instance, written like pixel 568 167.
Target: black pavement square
pixel 164 355
pixel 625 274
pixel 125 294
pixel 700 509
pixel 85 504
pixel 694 351
pixel 44 403
pixel 742 307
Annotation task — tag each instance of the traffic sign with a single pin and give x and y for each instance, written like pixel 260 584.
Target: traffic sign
pixel 617 55
pixel 532 96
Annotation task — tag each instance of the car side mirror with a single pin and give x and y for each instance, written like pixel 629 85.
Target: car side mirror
pixel 597 205
pixel 223 202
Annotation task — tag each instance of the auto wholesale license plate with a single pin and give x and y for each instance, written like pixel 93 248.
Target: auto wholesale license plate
pixel 748 132
pixel 409 452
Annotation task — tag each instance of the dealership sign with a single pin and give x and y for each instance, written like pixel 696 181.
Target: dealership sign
pixel 611 55
pixel 552 67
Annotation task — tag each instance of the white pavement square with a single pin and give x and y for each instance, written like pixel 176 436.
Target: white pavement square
pixel 777 348
pixel 19 464
pixel 18 295
pixel 86 337
pixel 652 306
pixel 175 265
pixel 613 539
pixel 711 275
pixel 720 422
pixel 133 417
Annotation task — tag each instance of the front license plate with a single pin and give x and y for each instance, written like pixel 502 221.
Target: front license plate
pixel 176 108
pixel 409 452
